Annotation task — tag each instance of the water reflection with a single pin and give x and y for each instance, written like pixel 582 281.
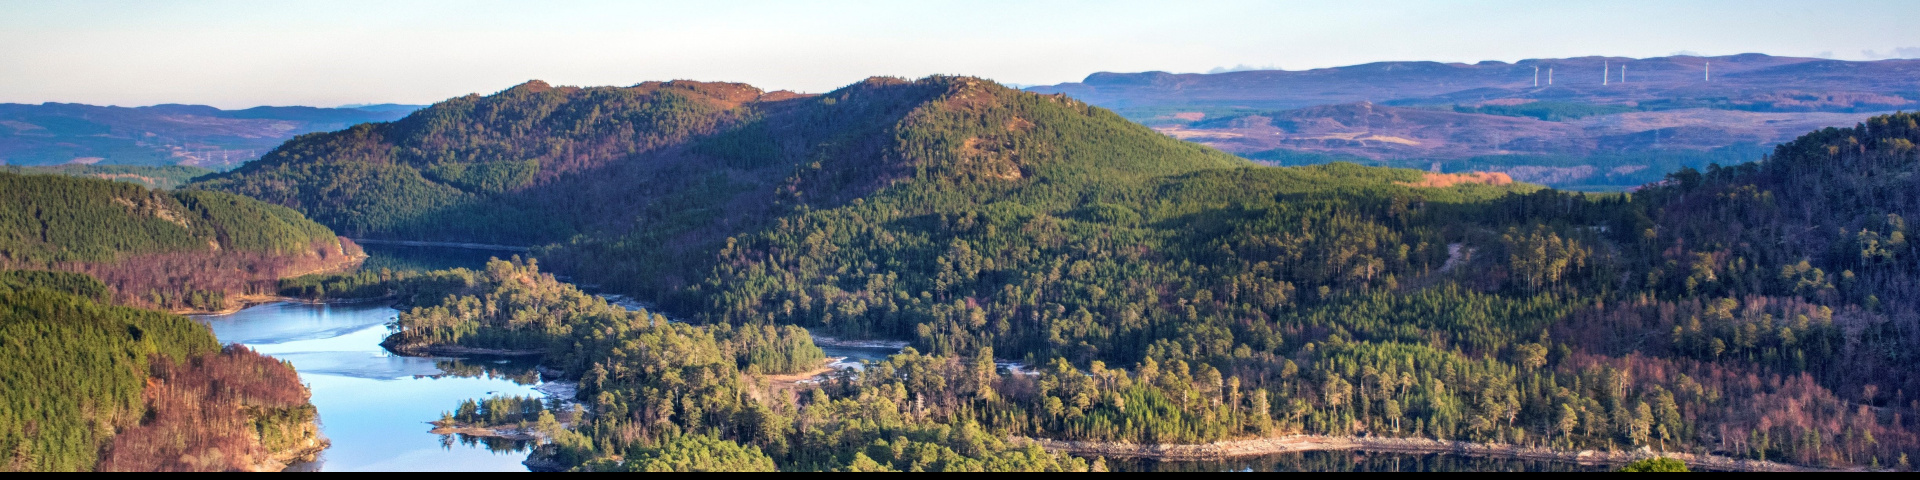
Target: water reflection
pixel 491 444
pixel 399 258
pixel 374 405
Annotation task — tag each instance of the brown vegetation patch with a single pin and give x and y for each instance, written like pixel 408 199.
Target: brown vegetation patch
pixel 1018 124
pixel 988 159
pixel 1506 102
pixel 207 281
pixel 230 411
pixel 1190 116
pixel 779 95
pixel 1443 180
pixel 149 205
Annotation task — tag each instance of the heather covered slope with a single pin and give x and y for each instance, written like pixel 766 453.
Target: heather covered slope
pixel 173 250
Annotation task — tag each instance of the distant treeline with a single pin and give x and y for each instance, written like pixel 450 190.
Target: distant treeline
pixel 1163 291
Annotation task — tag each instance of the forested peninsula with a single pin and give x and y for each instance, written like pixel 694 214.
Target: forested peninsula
pixel 1164 293
pixel 183 251
pixel 92 378
pixel 89 386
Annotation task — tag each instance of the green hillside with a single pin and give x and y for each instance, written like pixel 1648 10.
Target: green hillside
pixel 156 248
pixel 1759 311
pixel 85 386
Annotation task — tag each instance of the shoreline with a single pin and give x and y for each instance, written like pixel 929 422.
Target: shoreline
pixel 1311 443
pixel 465 245
pixel 242 301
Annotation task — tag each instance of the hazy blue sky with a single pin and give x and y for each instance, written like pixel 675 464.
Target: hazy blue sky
pixel 246 53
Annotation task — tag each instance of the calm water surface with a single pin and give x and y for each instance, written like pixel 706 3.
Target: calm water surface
pixel 374 405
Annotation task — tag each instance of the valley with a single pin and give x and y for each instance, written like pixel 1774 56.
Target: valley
pixel 1068 286
pixel 838 236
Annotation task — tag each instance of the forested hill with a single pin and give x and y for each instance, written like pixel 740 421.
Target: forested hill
pixel 1760 311
pixel 85 385
pixel 1601 123
pixel 174 250
pixel 536 163
pixel 163 135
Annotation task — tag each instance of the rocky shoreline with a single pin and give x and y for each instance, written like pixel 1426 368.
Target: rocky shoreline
pixel 1308 443
pixel 306 451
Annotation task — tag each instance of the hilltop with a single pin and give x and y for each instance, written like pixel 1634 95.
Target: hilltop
pixel 86 385
pixel 536 164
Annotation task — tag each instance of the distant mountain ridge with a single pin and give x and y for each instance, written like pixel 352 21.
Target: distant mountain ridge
pixel 167 134
pixel 1590 122
pixel 1747 81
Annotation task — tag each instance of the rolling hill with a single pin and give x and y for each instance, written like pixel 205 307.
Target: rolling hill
pixel 163 135
pixel 1719 311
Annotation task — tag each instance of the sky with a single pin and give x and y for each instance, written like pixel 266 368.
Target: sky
pixel 237 54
